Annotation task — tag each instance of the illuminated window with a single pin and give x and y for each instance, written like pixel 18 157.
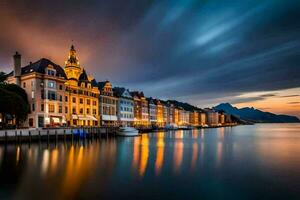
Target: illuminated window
pixel 51 84
pixel 51 108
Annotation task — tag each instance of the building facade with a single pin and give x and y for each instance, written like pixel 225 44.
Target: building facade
pixel 141 109
pixel 81 94
pixel 212 117
pixel 43 82
pixel 125 106
pixel 152 112
pixel 107 104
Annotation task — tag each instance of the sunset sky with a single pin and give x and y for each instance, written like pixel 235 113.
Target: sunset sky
pixel 203 52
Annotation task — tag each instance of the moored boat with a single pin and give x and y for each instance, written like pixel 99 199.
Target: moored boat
pixel 127 131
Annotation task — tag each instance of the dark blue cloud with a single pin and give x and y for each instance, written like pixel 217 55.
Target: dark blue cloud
pixel 174 49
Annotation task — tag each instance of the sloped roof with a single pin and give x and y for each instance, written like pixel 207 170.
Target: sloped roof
pixel 102 84
pixel 118 91
pixel 40 66
pixel 137 93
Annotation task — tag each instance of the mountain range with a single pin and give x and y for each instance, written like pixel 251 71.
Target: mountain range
pixel 255 115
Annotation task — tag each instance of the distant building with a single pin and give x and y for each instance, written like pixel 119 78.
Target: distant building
pixel 125 106
pixel 141 112
pixel 221 118
pixel 202 119
pixel 212 117
pixel 194 118
pixel 152 111
pixel 107 104
pixel 43 82
pixel 160 113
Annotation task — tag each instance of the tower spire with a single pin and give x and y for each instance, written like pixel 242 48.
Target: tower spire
pixel 72 58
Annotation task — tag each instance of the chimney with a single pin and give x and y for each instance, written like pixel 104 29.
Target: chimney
pixel 17 68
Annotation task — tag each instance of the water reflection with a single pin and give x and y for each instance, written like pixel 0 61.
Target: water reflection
pixel 144 154
pixel 160 152
pixel 194 156
pixel 178 151
pixel 118 167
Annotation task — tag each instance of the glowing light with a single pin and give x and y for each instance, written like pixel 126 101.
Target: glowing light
pixel 18 155
pixel 54 160
pixel 136 153
pixel 45 161
pixel 194 155
pixel 178 153
pixel 144 154
pixel 160 152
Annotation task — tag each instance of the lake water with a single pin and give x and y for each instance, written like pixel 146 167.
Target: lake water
pixel 244 162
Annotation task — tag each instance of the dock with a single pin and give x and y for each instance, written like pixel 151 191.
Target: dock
pixel 56 134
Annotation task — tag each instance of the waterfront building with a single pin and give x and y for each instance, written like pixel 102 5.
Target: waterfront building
pixel 166 112
pixel 141 110
pixel 43 82
pixel 159 113
pixel 170 113
pixel 176 115
pixel 194 118
pixel 185 117
pixel 202 118
pixel 212 117
pixel 221 118
pixel 152 112
pixel 107 104
pixel 81 94
pixel 125 107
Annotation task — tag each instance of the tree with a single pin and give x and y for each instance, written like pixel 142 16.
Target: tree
pixel 3 77
pixel 13 102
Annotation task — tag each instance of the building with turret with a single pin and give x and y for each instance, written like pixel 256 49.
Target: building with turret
pixel 81 96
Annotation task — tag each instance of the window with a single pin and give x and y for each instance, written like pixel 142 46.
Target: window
pixel 74 110
pixel 51 108
pixel 87 111
pixel 50 72
pixel 74 100
pixel 81 110
pixel 51 95
pixel 94 112
pixel 33 107
pixel 60 109
pixel 60 98
pixel 42 94
pixel 51 84
pixel 31 122
pixel 42 107
pixel 88 102
pixel 60 87
pixel 66 109
pixel 66 99
pixel 24 85
pixel 32 94
pixel 81 101
pixel 94 103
